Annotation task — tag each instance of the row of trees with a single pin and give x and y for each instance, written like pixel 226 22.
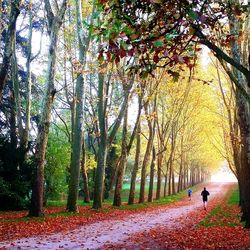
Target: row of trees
pixel 119 106
pixel 170 28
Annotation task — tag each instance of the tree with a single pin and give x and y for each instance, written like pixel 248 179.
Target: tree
pixel 83 43
pixel 106 139
pixel 84 174
pixel 136 165
pixel 127 144
pixel 30 58
pixel 151 182
pixel 54 23
pixel 242 113
pixel 123 161
pixel 150 116
pixel 8 45
pixel 15 118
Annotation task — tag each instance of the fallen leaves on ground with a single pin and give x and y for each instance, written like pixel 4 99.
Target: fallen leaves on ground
pixel 186 238
pixel 16 225
pixel 190 233
pixel 193 235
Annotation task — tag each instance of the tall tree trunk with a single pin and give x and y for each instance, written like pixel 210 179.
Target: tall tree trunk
pixel 8 46
pixel 130 143
pixel 111 172
pixel 119 180
pixel 83 44
pixel 131 198
pixel 185 176
pixel 243 115
pixel 12 121
pixel 105 140
pixel 180 178
pixel 181 170
pixel 151 128
pixel 103 147
pixel 143 172
pixel 78 121
pixel 165 185
pixel 55 22
pixel 171 184
pixel 166 178
pixel 170 179
pixel 245 161
pixel 84 174
pixel 14 76
pixel 159 169
pixel 28 84
pixel 173 181
pixel 151 182
pixel 76 148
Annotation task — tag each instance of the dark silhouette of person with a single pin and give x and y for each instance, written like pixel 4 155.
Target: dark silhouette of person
pixel 204 195
pixel 189 194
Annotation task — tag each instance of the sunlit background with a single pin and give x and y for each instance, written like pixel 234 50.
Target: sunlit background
pixel 224 174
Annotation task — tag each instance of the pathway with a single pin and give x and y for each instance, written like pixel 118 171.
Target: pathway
pixel 96 235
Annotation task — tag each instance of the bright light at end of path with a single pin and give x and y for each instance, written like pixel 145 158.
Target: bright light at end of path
pixel 223 177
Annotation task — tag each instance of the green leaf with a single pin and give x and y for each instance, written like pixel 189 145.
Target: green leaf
pixel 116 27
pixel 128 30
pixel 176 76
pixel 129 19
pixel 169 37
pixel 107 33
pixel 192 14
pixel 158 44
pixel 144 74
pixel 151 35
pixel 124 45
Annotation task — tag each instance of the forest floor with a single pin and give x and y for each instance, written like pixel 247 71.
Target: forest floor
pixel 179 225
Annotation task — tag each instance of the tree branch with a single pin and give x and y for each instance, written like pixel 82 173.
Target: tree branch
pixel 220 54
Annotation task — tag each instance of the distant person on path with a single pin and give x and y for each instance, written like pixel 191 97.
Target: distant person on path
pixel 204 195
pixel 189 194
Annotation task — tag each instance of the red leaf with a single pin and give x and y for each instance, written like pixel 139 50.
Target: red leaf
pixel 117 59
pixel 131 52
pixel 156 58
pixel 108 56
pixel 122 53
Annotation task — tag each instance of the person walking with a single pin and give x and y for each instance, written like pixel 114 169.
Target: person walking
pixel 204 195
pixel 189 194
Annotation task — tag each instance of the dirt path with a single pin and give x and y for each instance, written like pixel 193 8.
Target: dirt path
pixel 96 235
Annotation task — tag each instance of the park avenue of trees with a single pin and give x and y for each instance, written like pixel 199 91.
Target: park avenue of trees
pixel 97 94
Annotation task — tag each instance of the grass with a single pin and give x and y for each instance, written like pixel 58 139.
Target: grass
pixel 161 201
pixel 224 214
pixel 125 195
pixel 125 192
pixel 61 203
pixel 234 198
pixel 67 214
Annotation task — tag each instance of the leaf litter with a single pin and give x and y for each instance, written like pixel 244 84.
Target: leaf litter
pixel 172 226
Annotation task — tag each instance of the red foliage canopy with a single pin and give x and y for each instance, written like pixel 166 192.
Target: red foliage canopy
pixel 160 33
